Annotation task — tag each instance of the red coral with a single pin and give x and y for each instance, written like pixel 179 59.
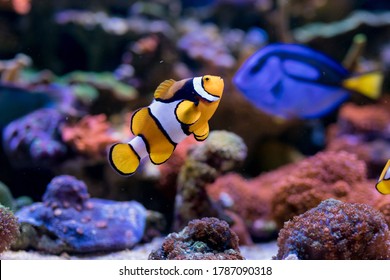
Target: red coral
pixel 205 239
pixel 363 119
pixel 291 190
pixel 90 136
pixel 336 231
pixel 365 131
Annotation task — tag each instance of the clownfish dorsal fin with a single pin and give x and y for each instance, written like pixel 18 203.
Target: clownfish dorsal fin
pixel 162 91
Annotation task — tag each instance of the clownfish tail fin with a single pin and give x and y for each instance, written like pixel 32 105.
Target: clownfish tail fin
pixel 123 158
pixel 368 84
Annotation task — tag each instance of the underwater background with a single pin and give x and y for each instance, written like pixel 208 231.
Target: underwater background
pixel 294 164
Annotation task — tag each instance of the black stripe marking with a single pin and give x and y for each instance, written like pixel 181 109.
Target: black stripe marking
pixel 145 142
pixel 161 128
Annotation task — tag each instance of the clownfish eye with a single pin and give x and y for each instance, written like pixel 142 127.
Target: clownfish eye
pixel 207 78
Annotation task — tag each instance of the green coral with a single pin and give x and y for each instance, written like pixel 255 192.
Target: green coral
pixel 6 197
pixel 101 80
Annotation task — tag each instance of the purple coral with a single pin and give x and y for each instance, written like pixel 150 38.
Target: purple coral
pixel 9 228
pixel 68 220
pixel 66 192
pixel 336 230
pixel 34 140
pixel 205 239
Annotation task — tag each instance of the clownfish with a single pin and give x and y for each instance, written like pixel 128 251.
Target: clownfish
pixel 179 109
pixel 383 185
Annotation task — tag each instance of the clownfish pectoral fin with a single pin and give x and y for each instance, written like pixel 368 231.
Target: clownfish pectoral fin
pixel 123 159
pixel 139 121
pixel 202 133
pixel 160 155
pixel 187 112
pixel 162 91
pixel 369 84
pixel 383 185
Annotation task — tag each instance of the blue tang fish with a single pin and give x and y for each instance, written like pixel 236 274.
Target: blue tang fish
pixel 294 81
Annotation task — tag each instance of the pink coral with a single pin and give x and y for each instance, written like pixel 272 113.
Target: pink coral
pixel 90 136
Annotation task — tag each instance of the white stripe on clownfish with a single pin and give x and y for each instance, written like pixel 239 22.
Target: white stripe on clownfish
pixel 198 86
pixel 139 146
pixel 165 114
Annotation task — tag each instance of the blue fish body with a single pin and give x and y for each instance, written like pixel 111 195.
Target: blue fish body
pixel 292 81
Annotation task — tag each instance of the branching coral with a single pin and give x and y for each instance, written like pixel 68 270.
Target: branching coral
pixel 9 228
pixel 336 230
pixel 90 136
pixel 221 152
pixel 205 239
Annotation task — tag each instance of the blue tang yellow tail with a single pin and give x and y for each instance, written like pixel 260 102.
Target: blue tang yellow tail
pixel 179 109
pixel 294 81
pixel 383 185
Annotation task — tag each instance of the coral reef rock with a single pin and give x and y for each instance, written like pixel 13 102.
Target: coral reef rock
pixel 205 239
pixel 335 230
pixel 9 228
pixel 34 140
pixel 69 221
pixel 220 153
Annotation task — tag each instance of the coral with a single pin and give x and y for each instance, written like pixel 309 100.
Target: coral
pixel 6 198
pixel 10 69
pixel 111 25
pixel 248 199
pixel 90 136
pixel 69 221
pixel 357 19
pixel 204 239
pixel 336 230
pixel 169 171
pixel 102 81
pixel 221 152
pixel 9 228
pixel 34 139
pixel 365 131
pixel 308 182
